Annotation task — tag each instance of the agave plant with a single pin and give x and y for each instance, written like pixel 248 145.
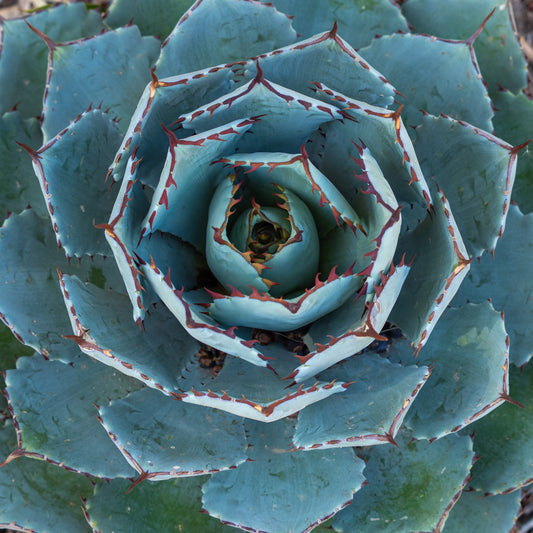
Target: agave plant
pixel 268 263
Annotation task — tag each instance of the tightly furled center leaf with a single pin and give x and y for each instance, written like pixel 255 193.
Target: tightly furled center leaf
pixel 278 241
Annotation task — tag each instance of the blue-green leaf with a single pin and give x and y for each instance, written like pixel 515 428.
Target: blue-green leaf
pixel 120 62
pixel 24 54
pixel 38 496
pixel 250 28
pixel 304 488
pixel 164 438
pixel 54 407
pixel 370 412
pixel 410 486
pixel 457 91
pixel 358 21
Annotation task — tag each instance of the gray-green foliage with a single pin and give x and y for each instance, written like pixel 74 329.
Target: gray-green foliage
pixel 288 187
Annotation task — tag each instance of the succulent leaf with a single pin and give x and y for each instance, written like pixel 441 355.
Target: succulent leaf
pixel 500 278
pixel 463 385
pixel 490 161
pixel 162 19
pixel 355 21
pixel 398 55
pixel 251 26
pixel 121 60
pixel 67 171
pixel 403 493
pixel 54 420
pixel 512 122
pixel 499 56
pixel 501 438
pixel 174 506
pixel 492 514
pixel 323 57
pixel 189 441
pixel 256 392
pixel 29 281
pixel 17 193
pixel 161 103
pixel 304 488
pixel 103 329
pixel 440 264
pixel 370 412
pixel 38 496
pixel 24 53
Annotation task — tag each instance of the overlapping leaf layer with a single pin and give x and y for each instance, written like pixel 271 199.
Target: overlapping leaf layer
pixel 247 248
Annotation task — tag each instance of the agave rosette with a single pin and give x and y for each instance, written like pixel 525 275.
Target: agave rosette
pixel 280 210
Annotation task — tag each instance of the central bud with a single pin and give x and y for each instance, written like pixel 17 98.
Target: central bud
pixel 261 231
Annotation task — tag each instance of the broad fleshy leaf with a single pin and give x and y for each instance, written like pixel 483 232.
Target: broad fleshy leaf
pixel 440 264
pixel 164 438
pixel 358 21
pixel 410 486
pixel 500 58
pixel 370 412
pixel 303 488
pixel 468 355
pixel 512 122
pixel 159 20
pixel 400 56
pixel 251 28
pixel 256 392
pixel 103 329
pixel 24 54
pixel 491 514
pixel 38 496
pixel 121 61
pixel 72 169
pixel 502 278
pixel 30 300
pixel 502 440
pixel 55 416
pixel 18 186
pixel 173 506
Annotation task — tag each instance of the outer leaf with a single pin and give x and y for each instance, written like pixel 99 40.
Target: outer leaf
pixel 172 506
pixel 37 496
pixel 72 169
pixel 24 53
pixel 370 412
pixel 250 28
pixel 159 20
pixel 498 52
pixel 104 330
pixel 468 354
pixel 18 185
pixel 449 151
pixel 512 122
pixel 304 488
pixel 401 56
pixel 55 416
pixel 358 21
pixel 324 57
pixel 502 440
pixel 30 299
pixel 121 62
pixel 502 279
pixel 410 486
pixel 163 438
pixel 440 264
pixel 490 514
